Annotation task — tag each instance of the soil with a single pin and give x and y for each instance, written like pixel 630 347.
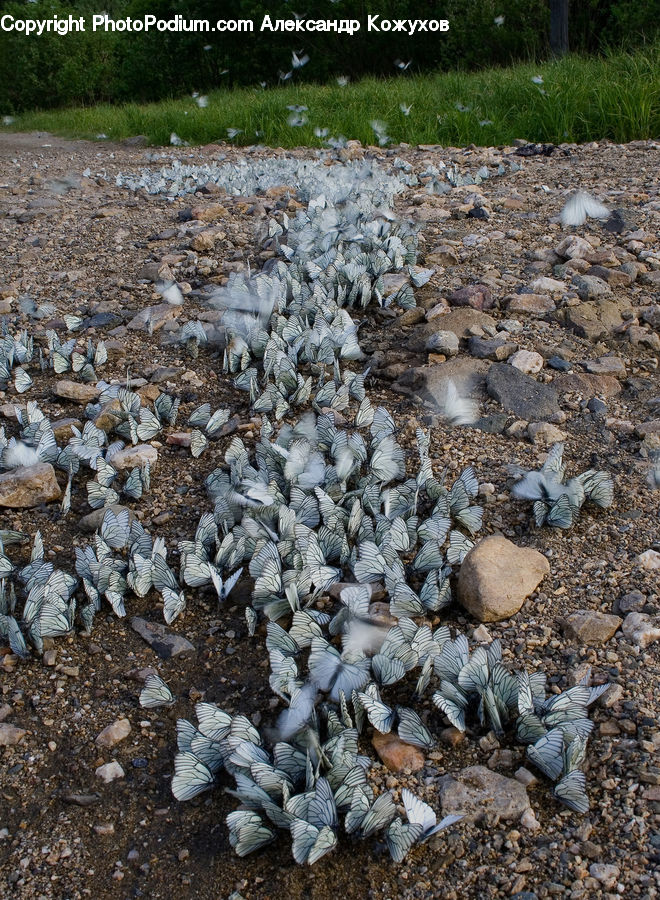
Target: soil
pixel 86 253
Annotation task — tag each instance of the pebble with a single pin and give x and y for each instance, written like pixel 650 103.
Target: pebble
pixel 165 643
pixel 396 754
pixel 477 791
pixel 527 361
pixel 114 733
pixel 76 391
pixel 110 772
pixel 10 734
pixel 591 627
pixel 640 629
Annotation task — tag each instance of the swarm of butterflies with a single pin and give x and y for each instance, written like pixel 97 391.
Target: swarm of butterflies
pixel 558 502
pixel 322 499
pixel 357 178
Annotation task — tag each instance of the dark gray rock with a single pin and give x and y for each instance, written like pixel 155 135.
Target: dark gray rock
pixel 163 642
pixel 521 394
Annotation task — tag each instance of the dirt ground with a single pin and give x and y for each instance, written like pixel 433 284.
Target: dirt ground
pixel 65 834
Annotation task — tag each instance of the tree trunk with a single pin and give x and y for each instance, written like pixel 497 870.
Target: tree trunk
pixel 559 27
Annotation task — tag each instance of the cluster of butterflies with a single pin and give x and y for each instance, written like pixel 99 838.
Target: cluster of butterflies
pixel 49 607
pixel 124 557
pixel 558 502
pixel 302 786
pixel 248 177
pixel 18 352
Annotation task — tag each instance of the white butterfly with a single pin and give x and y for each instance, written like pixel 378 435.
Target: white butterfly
pixel 581 205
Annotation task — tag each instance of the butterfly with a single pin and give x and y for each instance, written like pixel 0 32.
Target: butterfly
pixel 580 206
pixel 155 693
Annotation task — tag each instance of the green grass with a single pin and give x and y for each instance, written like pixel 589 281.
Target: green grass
pixel 581 99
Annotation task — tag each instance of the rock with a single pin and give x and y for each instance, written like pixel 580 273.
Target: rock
pixel 443 255
pixel 110 772
pixel 606 874
pixel 393 282
pixel 92 521
pixel 163 642
pixel 462 321
pixel 396 754
pixel 529 304
pixel 589 287
pixel 640 629
pixel 114 733
pixel 595 319
pixel 82 799
pixel 63 429
pixel 574 247
pixel 497 349
pixel 650 559
pixel 152 318
pixel 497 576
pixel 76 392
pixel 631 602
pixel 544 434
pixel 591 627
pixel 5 710
pixel 606 365
pixel 527 361
pixel 209 212
pixel 443 342
pixel 477 791
pixel 539 285
pixel 520 394
pixel 179 438
pixel 529 821
pixel 109 416
pixel 476 296
pixel 10 734
pixel 412 316
pixel 130 457
pixel 614 277
pixel 588 385
pixel 29 486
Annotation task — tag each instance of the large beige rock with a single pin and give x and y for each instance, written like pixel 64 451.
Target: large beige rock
pixel 75 391
pixel 477 791
pixel 130 457
pixel 114 733
pixel 29 486
pixel 496 576
pixel 590 626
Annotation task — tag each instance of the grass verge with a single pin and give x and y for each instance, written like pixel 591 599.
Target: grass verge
pixel 579 99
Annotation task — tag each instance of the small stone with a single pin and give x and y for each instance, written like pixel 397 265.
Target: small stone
pixel 209 212
pixel 597 407
pixel 114 733
pixel 477 791
pixel 29 486
pixel 606 874
pixel 82 800
pixel 452 736
pixel 634 601
pixel 529 821
pixel 545 434
pixel 606 365
pixel 529 304
pixel 443 342
pixel 5 710
pixel 76 392
pixel 396 754
pixel 640 629
pixel 130 457
pixel 104 828
pixel 525 777
pixel 110 771
pixel 444 255
pixel 153 318
pixel 10 734
pixel 589 287
pixel 497 349
pixel 481 634
pixel 521 394
pixel 476 296
pixel 50 657
pixel 591 627
pixel 551 285
pixel 649 559
pixel 412 316
pixel 164 643
pixel 92 521
pixel 496 576
pixel 574 247
pixel 527 361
